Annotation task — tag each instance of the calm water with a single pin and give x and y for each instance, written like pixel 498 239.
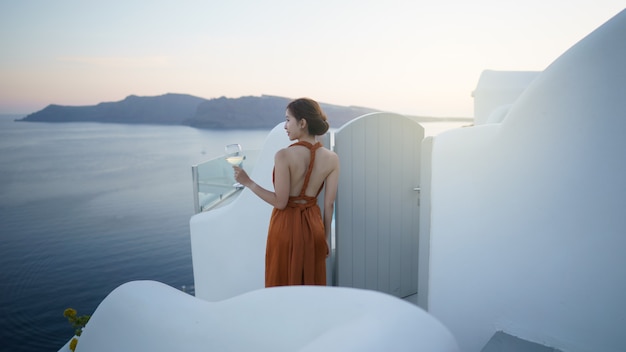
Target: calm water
pixel 86 207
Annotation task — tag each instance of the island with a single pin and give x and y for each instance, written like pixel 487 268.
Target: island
pixel 249 112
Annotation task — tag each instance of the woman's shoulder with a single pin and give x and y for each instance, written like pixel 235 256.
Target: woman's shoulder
pixel 329 155
pixel 328 151
pixel 282 153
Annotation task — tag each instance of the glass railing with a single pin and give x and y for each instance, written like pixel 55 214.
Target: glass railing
pixel 213 181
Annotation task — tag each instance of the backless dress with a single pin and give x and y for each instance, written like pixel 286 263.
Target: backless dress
pixel 296 248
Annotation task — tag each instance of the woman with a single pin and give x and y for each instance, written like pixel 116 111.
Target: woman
pixel 299 236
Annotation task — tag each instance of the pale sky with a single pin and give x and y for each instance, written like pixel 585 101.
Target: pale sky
pixel 412 57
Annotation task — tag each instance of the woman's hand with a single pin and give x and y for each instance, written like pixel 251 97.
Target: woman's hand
pixel 268 196
pixel 241 176
pixel 327 249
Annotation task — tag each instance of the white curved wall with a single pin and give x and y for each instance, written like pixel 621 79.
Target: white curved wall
pixel 528 223
pixel 228 243
pixel 151 316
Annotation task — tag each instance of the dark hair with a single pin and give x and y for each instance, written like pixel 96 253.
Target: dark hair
pixel 310 110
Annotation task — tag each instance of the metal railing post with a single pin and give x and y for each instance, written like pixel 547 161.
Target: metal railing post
pixel 196 188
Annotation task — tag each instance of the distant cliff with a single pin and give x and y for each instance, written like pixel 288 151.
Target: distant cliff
pixel 181 109
pixel 170 109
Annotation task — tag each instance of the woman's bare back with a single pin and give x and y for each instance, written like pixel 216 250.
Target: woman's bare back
pixel 299 158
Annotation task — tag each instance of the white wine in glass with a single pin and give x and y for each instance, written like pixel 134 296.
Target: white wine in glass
pixel 235 157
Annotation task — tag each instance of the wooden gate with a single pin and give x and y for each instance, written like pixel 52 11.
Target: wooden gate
pixel 377 206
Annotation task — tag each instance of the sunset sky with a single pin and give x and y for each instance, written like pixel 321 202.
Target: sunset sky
pixel 412 57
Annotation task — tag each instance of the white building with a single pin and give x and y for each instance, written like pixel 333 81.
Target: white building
pixel 495 92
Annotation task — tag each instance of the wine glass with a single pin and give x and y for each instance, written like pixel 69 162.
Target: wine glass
pixel 235 157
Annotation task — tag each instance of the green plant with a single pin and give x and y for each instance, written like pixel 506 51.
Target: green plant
pixel 78 323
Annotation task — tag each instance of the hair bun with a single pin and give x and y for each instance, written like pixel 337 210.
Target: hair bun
pixel 310 110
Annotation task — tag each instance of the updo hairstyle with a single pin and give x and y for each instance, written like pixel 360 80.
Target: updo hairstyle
pixel 310 110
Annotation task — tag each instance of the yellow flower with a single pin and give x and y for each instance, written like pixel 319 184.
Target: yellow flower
pixel 69 312
pixel 73 344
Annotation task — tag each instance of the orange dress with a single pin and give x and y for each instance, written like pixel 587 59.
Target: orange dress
pixel 296 242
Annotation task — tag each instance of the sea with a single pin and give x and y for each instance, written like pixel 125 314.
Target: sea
pixel 86 207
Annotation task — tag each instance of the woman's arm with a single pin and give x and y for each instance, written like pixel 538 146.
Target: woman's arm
pixel 278 199
pixel 330 193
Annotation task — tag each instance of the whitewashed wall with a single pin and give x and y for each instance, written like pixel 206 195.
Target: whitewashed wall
pixel 528 222
pixel 228 243
pixel 151 316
